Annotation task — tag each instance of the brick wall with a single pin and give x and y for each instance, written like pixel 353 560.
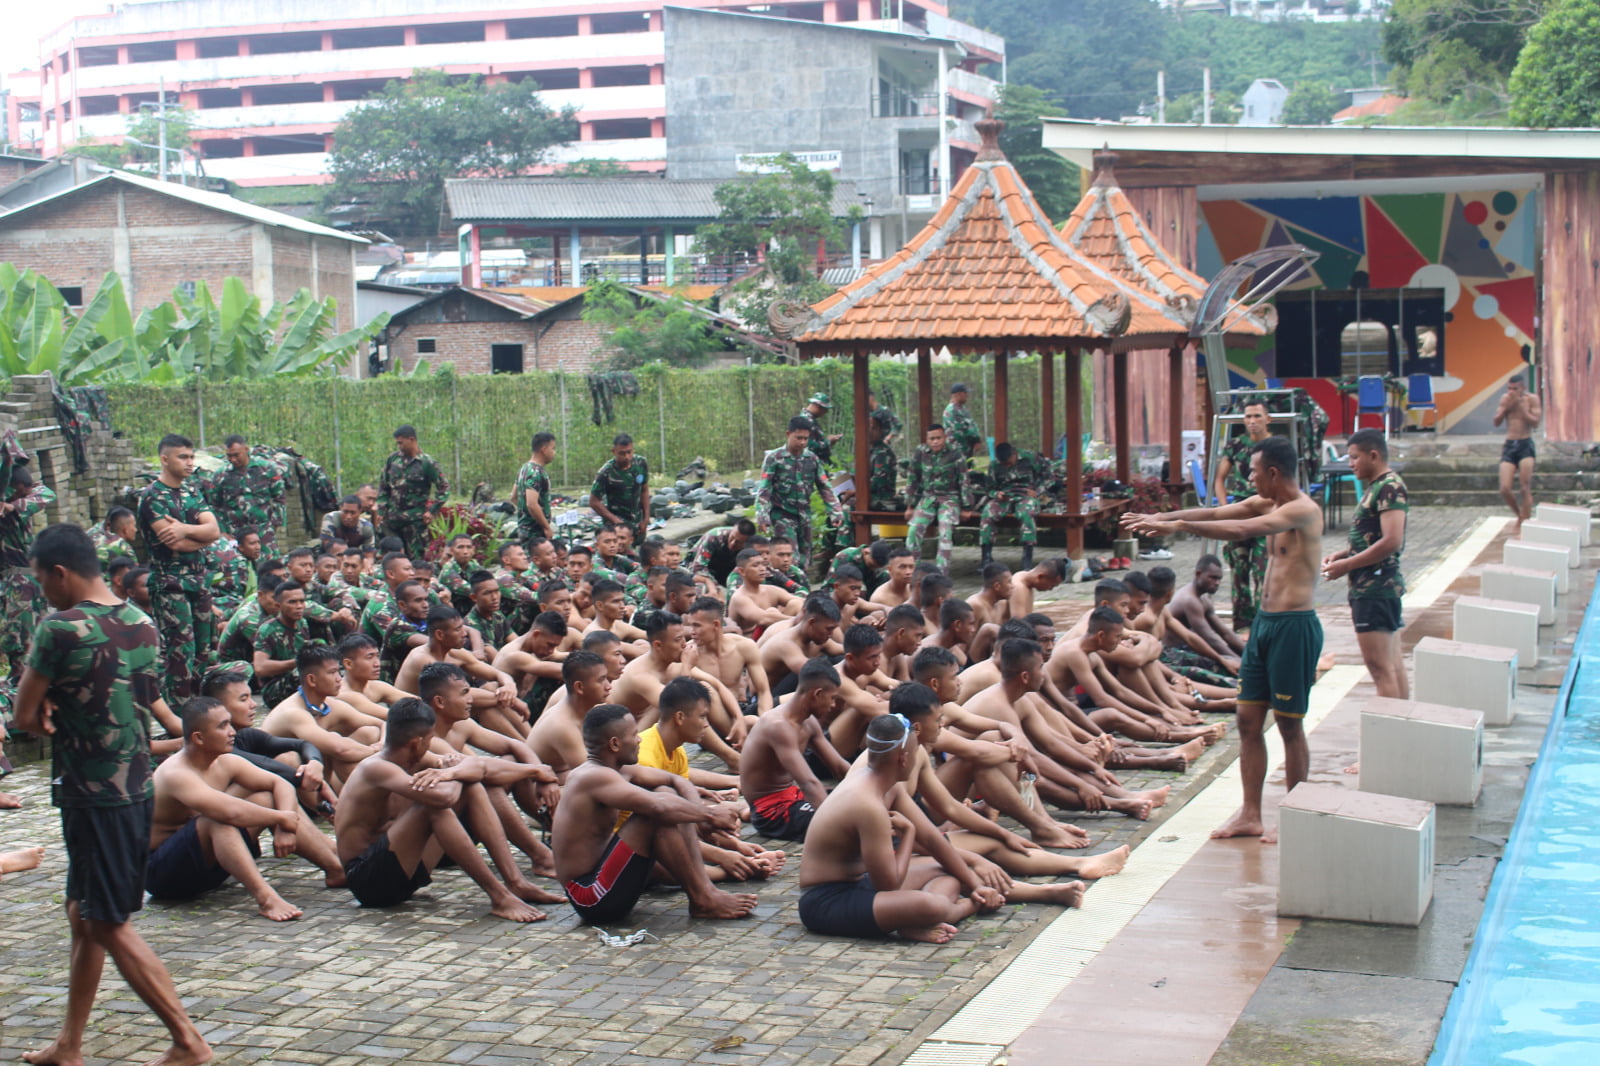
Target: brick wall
pixel 82 498
pixel 571 344
pixel 12 168
pixel 466 344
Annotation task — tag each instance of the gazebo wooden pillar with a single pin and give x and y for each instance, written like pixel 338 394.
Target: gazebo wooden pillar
pixel 1073 368
pixel 861 526
pixel 1001 425
pixel 924 391
pixel 1175 471
pixel 1120 419
pixel 1047 403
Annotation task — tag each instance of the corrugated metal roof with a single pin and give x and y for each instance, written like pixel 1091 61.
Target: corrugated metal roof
pixel 552 200
pixel 214 200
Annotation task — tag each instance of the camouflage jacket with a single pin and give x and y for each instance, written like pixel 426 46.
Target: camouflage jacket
pixel 362 538
pixel 817 444
pixel 961 428
pixel 16 525
pixel 856 556
pixel 883 470
pixel 495 630
pixel 238 640
pixel 1028 472
pixel 394 644
pixel 935 473
pixel 1381 580
pixel 1237 452
pixel 532 477
pixel 253 496
pixel 233 579
pixel 517 599
pixel 787 482
pixel 107 545
pixel 184 504
pixel 277 641
pixel 409 488
pixel 620 489
pixel 452 579
pixel 357 595
pixel 792 580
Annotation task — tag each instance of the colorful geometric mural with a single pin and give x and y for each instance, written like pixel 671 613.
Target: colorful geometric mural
pixel 1479 247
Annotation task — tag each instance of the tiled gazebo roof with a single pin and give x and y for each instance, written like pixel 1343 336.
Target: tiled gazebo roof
pixel 990 271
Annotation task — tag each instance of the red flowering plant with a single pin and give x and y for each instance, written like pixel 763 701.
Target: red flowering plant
pixel 454 519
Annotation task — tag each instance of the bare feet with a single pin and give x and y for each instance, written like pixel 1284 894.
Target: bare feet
pixel 721 904
pixel 1353 768
pixel 8 802
pixel 1066 893
pixel 14 862
pixel 277 908
pixel 514 910
pixel 529 892
pixel 1158 796
pixel 184 1055
pixel 1192 750
pixel 335 880
pixel 54 1054
pixel 932 934
pixel 1216 733
pixel 1138 806
pixel 1097 866
pixel 1243 824
pixel 1053 834
pixel 773 860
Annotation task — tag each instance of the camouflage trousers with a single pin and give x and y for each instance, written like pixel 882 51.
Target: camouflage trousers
pixel 1001 504
pixel 1196 667
pixel 1247 562
pixel 413 532
pixel 946 510
pixel 23 602
pixel 185 617
pixel 798 529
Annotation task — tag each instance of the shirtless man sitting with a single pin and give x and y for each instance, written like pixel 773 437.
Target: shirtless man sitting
pixel 814 634
pixel 447 643
pixel 534 663
pixel 403 809
pixel 730 658
pixel 362 688
pixel 863 689
pixel 1042 578
pixel 957 626
pixel 296 761
pixel 557 737
pixel 210 805
pixel 610 604
pixel 991 604
pixel 1280 661
pixel 605 869
pixel 932 591
pixel 848 592
pixel 1182 648
pixel 639 688
pixel 901 564
pixel 343 734
pixel 755 605
pixel 857 874
pixel 902 636
pixel 774 775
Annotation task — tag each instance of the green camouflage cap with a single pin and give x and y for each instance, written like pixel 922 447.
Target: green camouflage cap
pixel 820 399
pixel 238 666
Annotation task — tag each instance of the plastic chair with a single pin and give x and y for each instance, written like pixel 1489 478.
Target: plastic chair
pixel 1419 395
pixel 1274 383
pixel 1372 398
pixel 1202 491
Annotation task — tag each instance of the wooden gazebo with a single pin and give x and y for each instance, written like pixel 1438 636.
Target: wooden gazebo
pixel 989 273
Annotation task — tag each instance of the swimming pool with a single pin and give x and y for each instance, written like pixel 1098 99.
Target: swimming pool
pixel 1530 993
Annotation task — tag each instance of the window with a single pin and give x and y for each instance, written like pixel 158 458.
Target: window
pixel 505 358
pixel 1328 333
pixel 72 294
pixel 187 288
pixel 427 345
pixel 450 33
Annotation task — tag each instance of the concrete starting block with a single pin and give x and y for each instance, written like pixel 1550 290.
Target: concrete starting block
pixel 1533 556
pixel 1560 514
pixel 1354 856
pixel 1566 537
pixel 1481 677
pixel 1421 751
pixel 1479 620
pixel 1522 585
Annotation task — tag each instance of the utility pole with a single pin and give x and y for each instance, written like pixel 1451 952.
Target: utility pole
pixel 161 120
pixel 1205 98
pixel 1161 96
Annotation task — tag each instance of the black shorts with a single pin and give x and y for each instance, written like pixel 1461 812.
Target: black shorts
pixel 1514 451
pixel 1279 665
pixel 106 851
pixel 608 892
pixel 178 868
pixel 377 879
pixel 1376 614
pixel 841 908
pixel 785 816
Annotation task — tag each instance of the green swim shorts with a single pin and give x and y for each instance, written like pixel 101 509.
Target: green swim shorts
pixel 1279 665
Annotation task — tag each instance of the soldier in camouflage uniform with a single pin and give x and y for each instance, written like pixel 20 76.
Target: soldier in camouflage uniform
pixel 883 468
pixel 238 639
pixel 933 493
pixel 789 476
pixel 247 491
pixel 279 640
pixel 176 524
pixel 411 488
pixel 20 594
pixel 959 427
pixel 621 490
pixel 892 426
pixel 871 559
pixel 232 565
pixel 1014 480
pixel 492 623
pixel 820 443
pixel 454 577
pixel 1246 559
pixel 1372 562
pixel 114 535
pixel 717 550
pixel 531 497
pixel 348 526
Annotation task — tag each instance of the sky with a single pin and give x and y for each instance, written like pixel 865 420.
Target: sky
pixel 28 20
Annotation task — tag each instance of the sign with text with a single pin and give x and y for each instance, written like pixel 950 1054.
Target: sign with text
pixel 830 159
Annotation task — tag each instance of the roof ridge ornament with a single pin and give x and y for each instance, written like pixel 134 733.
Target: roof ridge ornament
pixel 989 129
pixel 1110 315
pixel 1105 176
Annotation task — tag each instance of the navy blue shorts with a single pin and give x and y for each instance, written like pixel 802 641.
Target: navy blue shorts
pixel 841 908
pixel 106 851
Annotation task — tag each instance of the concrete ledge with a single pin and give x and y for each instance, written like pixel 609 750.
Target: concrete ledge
pixel 1482 677
pixel 1561 536
pixel 1522 584
pixel 1507 623
pixel 1536 556
pixel 1354 856
pixel 1561 514
pixel 1421 751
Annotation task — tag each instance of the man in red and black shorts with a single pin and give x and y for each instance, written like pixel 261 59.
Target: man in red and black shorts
pixel 604 868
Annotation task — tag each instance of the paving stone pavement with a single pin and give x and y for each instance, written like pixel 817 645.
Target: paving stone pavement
pixel 439 981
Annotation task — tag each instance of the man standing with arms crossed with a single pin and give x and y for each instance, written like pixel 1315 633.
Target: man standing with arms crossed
pixel 1280 660
pixel 788 478
pixel 1246 559
pixel 90 685
pixel 411 489
pixel 1521 411
pixel 176 524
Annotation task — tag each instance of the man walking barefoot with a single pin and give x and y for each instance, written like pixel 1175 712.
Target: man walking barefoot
pixel 1280 661
pixel 1521 411
pixel 89 684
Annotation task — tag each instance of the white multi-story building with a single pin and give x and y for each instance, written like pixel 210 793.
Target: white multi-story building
pixel 268 80
pixel 1280 10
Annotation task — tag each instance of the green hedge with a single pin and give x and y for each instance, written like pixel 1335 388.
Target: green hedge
pixel 478 427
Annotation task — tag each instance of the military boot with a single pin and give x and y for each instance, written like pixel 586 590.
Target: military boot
pixel 1027 557
pixel 988 554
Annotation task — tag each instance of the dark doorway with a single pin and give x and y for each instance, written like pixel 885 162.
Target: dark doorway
pixel 505 358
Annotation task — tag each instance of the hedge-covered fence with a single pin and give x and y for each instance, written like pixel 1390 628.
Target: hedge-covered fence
pixel 478 427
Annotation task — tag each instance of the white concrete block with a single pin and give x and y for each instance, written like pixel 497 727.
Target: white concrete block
pixel 1561 536
pixel 1421 751
pixel 1535 556
pixel 1354 856
pixel 1482 677
pixel 1479 620
pixel 1522 585
pixel 1562 515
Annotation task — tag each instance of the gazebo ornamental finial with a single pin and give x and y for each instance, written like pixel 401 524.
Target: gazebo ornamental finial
pixel 989 128
pixel 1105 163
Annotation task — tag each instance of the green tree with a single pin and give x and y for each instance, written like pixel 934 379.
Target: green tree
pixel 648 329
pixel 1311 104
pixel 398 147
pixel 1443 49
pixel 592 168
pixel 1053 180
pixel 782 216
pixel 141 148
pixel 1557 78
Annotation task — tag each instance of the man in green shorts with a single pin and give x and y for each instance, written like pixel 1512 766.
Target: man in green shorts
pixel 1280 661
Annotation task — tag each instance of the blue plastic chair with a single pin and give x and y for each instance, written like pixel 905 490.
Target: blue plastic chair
pixel 1202 491
pixel 1372 398
pixel 1419 394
